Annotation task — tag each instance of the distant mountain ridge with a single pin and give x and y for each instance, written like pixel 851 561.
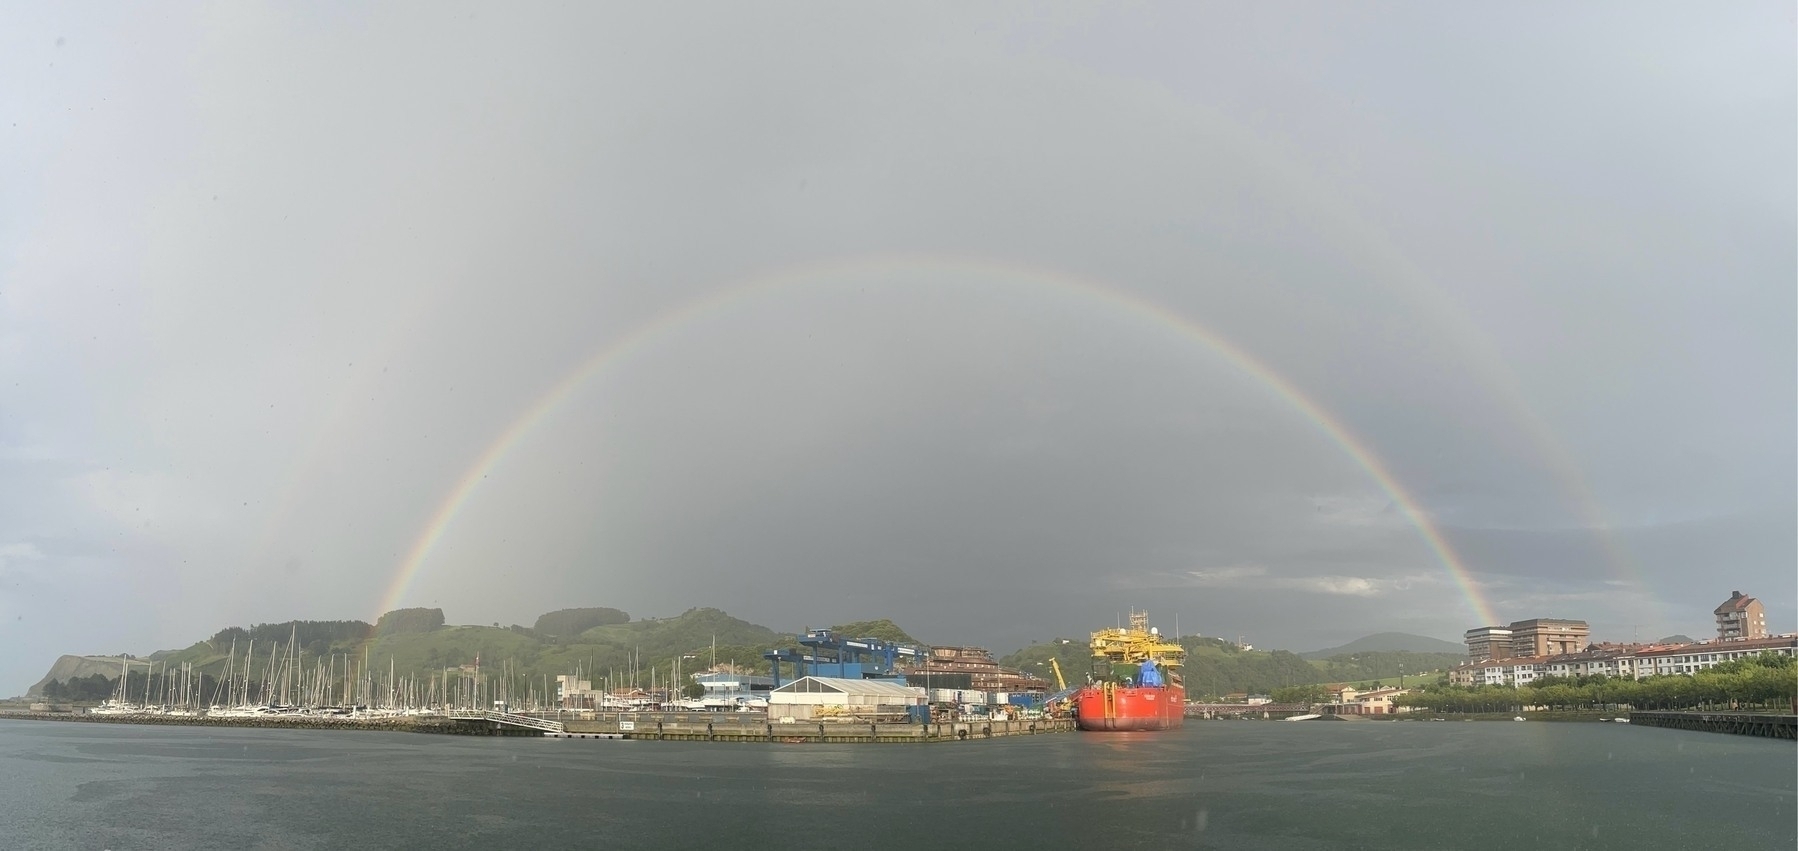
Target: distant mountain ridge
pixel 1387 642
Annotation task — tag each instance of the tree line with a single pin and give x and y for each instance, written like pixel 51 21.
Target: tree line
pixel 305 632
pixel 93 687
pixel 1768 681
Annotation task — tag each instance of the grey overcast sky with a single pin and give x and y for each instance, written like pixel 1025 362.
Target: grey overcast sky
pixel 995 319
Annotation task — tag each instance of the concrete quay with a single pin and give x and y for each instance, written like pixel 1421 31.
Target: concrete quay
pixel 735 727
pixel 669 726
pixel 401 724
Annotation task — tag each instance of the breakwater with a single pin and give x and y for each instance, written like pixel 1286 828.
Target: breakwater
pixel 754 727
pixel 671 727
pixel 398 724
pixel 1762 724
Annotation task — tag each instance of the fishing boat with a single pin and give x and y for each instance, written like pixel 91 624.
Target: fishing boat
pixel 1136 681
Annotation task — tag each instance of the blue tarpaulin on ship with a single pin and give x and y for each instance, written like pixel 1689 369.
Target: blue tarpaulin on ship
pixel 1150 676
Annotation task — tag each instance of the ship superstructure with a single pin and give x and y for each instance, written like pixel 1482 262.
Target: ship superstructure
pixel 1136 680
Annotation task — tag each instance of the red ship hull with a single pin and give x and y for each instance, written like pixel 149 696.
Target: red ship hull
pixel 1129 708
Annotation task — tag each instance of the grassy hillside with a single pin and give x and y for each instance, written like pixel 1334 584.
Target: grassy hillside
pixel 1366 667
pixel 71 667
pixel 1389 642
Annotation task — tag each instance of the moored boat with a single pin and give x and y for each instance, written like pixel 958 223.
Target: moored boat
pixel 1136 684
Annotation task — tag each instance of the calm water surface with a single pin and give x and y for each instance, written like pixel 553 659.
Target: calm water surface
pixel 1211 785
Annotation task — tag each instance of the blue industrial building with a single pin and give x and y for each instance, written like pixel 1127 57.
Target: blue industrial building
pixel 830 655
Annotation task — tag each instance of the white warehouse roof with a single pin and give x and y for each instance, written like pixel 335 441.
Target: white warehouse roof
pixel 839 685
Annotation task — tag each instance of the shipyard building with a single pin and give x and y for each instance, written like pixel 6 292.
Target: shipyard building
pixel 838 699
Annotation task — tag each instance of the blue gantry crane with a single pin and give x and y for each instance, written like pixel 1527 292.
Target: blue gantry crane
pixel 853 658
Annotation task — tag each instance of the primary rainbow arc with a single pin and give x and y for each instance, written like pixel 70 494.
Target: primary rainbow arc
pixel 620 349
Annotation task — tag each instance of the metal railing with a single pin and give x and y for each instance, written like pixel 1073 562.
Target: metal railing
pixel 543 724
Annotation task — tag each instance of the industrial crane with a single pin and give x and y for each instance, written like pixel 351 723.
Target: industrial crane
pixel 1061 684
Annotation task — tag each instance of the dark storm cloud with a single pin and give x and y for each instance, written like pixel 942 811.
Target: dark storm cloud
pixel 271 281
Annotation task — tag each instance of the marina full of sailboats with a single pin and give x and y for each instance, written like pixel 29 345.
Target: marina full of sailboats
pixel 280 680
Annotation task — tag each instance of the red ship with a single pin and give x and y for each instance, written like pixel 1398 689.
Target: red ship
pixel 1137 681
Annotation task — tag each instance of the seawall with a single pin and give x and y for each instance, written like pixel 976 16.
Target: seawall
pixel 289 722
pixel 728 727
pixel 731 727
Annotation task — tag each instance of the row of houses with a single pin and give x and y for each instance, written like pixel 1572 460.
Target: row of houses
pixel 1631 661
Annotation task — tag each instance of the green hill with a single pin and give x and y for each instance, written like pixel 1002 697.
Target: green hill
pixel 71 667
pixel 1379 665
pixel 577 621
pixel 1387 642
pixel 600 644
pixel 883 629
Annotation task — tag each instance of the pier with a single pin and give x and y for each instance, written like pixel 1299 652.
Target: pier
pixel 1762 724
pixel 755 727
pixel 649 726
pixel 506 722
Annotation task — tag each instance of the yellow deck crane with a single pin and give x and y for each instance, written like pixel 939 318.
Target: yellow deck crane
pixel 1061 683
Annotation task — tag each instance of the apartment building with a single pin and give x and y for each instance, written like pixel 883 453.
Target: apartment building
pixel 1487 642
pixel 1625 661
pixel 1741 616
pixel 1515 671
pixel 1610 660
pixel 1689 658
pixel 1549 637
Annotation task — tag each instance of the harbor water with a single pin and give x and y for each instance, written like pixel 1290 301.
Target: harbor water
pixel 1219 784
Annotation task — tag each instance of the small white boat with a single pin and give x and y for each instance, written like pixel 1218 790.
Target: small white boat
pixel 1621 720
pixel 1518 718
pixel 1312 717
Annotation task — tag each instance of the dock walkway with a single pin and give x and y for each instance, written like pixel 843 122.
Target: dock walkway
pixel 1763 724
pixel 508 719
